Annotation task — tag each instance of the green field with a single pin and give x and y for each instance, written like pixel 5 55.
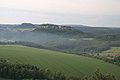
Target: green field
pixel 56 61
pixel 113 51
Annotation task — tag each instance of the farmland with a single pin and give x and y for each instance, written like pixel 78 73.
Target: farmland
pixel 56 61
pixel 114 51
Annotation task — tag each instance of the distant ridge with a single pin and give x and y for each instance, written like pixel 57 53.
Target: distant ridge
pixel 26 25
pixel 72 25
pixel 53 28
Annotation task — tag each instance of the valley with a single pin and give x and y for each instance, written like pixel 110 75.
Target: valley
pixel 69 49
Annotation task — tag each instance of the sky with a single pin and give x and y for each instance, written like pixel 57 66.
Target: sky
pixel 98 13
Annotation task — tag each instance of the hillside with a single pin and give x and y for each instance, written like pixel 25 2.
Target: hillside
pixel 60 30
pixel 70 39
pixel 98 31
pixel 56 61
pixel 26 25
pixel 113 52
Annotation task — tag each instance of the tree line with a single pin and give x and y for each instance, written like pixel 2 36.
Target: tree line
pixel 112 59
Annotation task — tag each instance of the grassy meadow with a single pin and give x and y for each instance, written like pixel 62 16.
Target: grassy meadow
pixel 113 51
pixel 68 64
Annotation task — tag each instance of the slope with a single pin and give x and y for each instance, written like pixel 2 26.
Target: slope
pixel 56 61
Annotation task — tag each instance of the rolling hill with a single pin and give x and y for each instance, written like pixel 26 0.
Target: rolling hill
pixel 56 61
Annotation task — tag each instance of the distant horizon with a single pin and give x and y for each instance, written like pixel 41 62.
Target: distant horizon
pixel 59 24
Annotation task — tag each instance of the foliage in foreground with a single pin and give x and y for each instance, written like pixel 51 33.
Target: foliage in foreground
pixel 29 72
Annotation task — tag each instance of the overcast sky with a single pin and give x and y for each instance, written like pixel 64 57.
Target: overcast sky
pixel 86 12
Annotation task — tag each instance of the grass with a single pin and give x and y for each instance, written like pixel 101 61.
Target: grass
pixel 113 51
pixel 56 61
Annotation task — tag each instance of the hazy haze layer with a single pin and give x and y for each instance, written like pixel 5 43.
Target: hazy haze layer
pixel 88 12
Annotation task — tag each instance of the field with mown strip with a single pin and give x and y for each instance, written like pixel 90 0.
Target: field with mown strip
pixel 56 61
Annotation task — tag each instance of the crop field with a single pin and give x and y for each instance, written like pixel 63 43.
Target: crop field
pixel 114 51
pixel 68 64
